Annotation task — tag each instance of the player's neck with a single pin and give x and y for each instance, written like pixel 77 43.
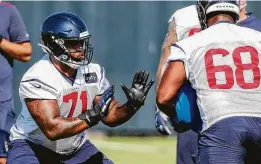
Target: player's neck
pixel 220 18
pixel 64 69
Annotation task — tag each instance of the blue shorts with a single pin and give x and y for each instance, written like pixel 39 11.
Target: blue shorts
pixel 26 152
pixel 187 148
pixel 7 119
pixel 234 140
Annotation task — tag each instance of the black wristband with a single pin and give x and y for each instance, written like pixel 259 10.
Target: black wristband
pixel 131 105
pixel 88 120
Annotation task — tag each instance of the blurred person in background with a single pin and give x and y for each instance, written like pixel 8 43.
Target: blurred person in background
pixel 182 24
pixel 64 94
pixel 248 20
pixel 14 44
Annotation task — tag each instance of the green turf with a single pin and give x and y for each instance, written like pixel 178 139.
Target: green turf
pixel 135 150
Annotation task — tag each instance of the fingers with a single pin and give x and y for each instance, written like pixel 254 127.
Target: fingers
pixel 149 85
pixel 136 77
pixel 105 107
pixel 141 80
pixel 125 90
pixel 165 130
pixel 145 79
pixel 109 92
pixel 141 77
pixel 160 124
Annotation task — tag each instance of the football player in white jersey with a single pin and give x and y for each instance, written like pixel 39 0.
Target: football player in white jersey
pixel 64 94
pixel 222 64
pixel 182 24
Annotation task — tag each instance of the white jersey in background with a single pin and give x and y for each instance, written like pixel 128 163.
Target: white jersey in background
pixel 44 81
pixel 186 22
pixel 223 66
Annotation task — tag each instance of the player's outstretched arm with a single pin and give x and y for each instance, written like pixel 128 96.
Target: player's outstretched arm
pixel 172 79
pixel 46 114
pixel 136 95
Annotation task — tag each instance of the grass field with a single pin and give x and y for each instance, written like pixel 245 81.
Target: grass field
pixel 138 150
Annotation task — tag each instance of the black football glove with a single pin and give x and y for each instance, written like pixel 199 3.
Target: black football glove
pixel 94 115
pixel 136 95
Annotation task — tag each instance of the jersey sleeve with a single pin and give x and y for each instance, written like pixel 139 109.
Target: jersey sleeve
pixel 103 83
pixel 36 89
pixel 177 53
pixel 17 28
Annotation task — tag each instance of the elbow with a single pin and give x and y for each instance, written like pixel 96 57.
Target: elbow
pixel 51 135
pixel 161 99
pixel 25 58
pixel 109 123
pixel 161 103
pixel 164 103
pixel 27 54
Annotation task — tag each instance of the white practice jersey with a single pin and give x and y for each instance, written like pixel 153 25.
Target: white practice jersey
pixel 186 22
pixel 223 65
pixel 44 81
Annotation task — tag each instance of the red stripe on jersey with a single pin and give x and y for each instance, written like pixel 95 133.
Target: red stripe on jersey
pixel 6 4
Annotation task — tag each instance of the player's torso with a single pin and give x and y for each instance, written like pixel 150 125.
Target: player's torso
pixel 76 97
pixel 73 97
pixel 225 71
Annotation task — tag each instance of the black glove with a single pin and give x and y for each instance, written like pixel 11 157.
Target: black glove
pixel 136 95
pixel 94 115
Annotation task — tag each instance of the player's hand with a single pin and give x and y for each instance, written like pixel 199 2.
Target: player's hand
pixel 161 123
pixel 136 95
pixel 100 110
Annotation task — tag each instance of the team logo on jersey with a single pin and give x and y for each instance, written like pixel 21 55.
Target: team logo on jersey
pixel 36 85
pixel 90 77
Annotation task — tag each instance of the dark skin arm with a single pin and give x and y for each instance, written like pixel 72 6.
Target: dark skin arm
pixel 172 80
pixel 117 113
pixel 19 51
pixel 46 114
pixel 170 39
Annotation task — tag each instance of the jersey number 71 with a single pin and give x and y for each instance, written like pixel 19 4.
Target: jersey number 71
pixel 74 98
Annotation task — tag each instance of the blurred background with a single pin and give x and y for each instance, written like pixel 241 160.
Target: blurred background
pixel 126 36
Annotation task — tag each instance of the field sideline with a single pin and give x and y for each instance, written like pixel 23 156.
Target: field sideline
pixel 138 150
